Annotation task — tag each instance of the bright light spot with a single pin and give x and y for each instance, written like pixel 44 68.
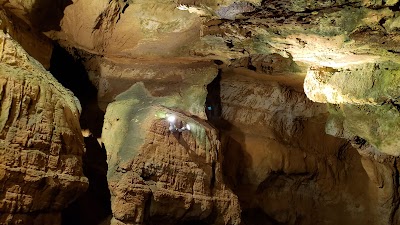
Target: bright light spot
pixel 182 7
pixel 187 126
pixel 193 9
pixel 318 89
pixel 334 60
pixel 171 118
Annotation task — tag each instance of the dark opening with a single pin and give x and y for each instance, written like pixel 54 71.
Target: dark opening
pixel 218 62
pixel 47 14
pixel 395 7
pixel 213 100
pixel 257 217
pixel 251 67
pixel 94 205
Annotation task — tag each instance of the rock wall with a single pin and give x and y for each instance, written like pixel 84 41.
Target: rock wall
pixel 271 160
pixel 41 145
pixel 286 170
pixel 33 41
pixel 159 176
pixel 366 102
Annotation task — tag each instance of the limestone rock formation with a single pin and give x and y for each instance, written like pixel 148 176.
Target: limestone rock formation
pixel 281 76
pixel 283 167
pixel 35 43
pixel 367 102
pixel 41 146
pixel 159 176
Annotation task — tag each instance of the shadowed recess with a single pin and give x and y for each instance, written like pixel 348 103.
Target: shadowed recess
pixel 46 15
pixel 94 205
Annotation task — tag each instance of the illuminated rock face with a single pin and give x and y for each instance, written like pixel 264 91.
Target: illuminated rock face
pixel 279 63
pixel 283 166
pixel 156 175
pixel 41 145
pixel 163 177
pixel 367 98
pixel 366 84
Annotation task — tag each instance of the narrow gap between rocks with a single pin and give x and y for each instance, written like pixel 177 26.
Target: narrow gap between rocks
pixel 94 205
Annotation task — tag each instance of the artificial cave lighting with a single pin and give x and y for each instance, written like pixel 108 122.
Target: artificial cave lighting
pixel 171 118
pixel 172 127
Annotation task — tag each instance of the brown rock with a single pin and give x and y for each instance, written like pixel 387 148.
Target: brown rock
pixel 277 159
pixel 163 177
pixel 283 167
pixel 35 43
pixel 41 145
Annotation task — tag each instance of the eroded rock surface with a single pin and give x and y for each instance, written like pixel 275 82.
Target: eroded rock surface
pixel 283 167
pixel 366 98
pixel 34 43
pixel 275 156
pixel 41 145
pixel 163 177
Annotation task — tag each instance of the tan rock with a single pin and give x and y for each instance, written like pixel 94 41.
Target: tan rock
pixel 156 175
pixel 277 158
pixel 367 97
pixel 369 83
pixel 182 79
pixel 41 145
pixel 129 28
pixel 35 43
pixel 283 167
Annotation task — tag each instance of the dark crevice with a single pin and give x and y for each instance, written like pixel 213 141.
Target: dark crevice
pixel 212 180
pixel 394 51
pixel 229 43
pixel 341 154
pixel 119 17
pixel 396 7
pixel 392 102
pixel 70 72
pixel 94 205
pixel 47 14
pixel 218 62
pixel 235 159
pixel 125 7
pixel 99 21
pixel 397 106
pixel 213 100
pixel 251 67
pixel 382 22
pixel 359 142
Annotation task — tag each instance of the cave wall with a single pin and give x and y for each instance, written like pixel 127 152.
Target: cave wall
pixel 41 147
pixel 282 165
pixel 293 108
pixel 151 167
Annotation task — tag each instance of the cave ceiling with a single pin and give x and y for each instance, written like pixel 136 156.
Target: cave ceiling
pixel 347 50
pixel 296 83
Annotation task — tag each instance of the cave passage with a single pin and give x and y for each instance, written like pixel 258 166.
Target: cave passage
pixel 213 100
pixel 94 205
